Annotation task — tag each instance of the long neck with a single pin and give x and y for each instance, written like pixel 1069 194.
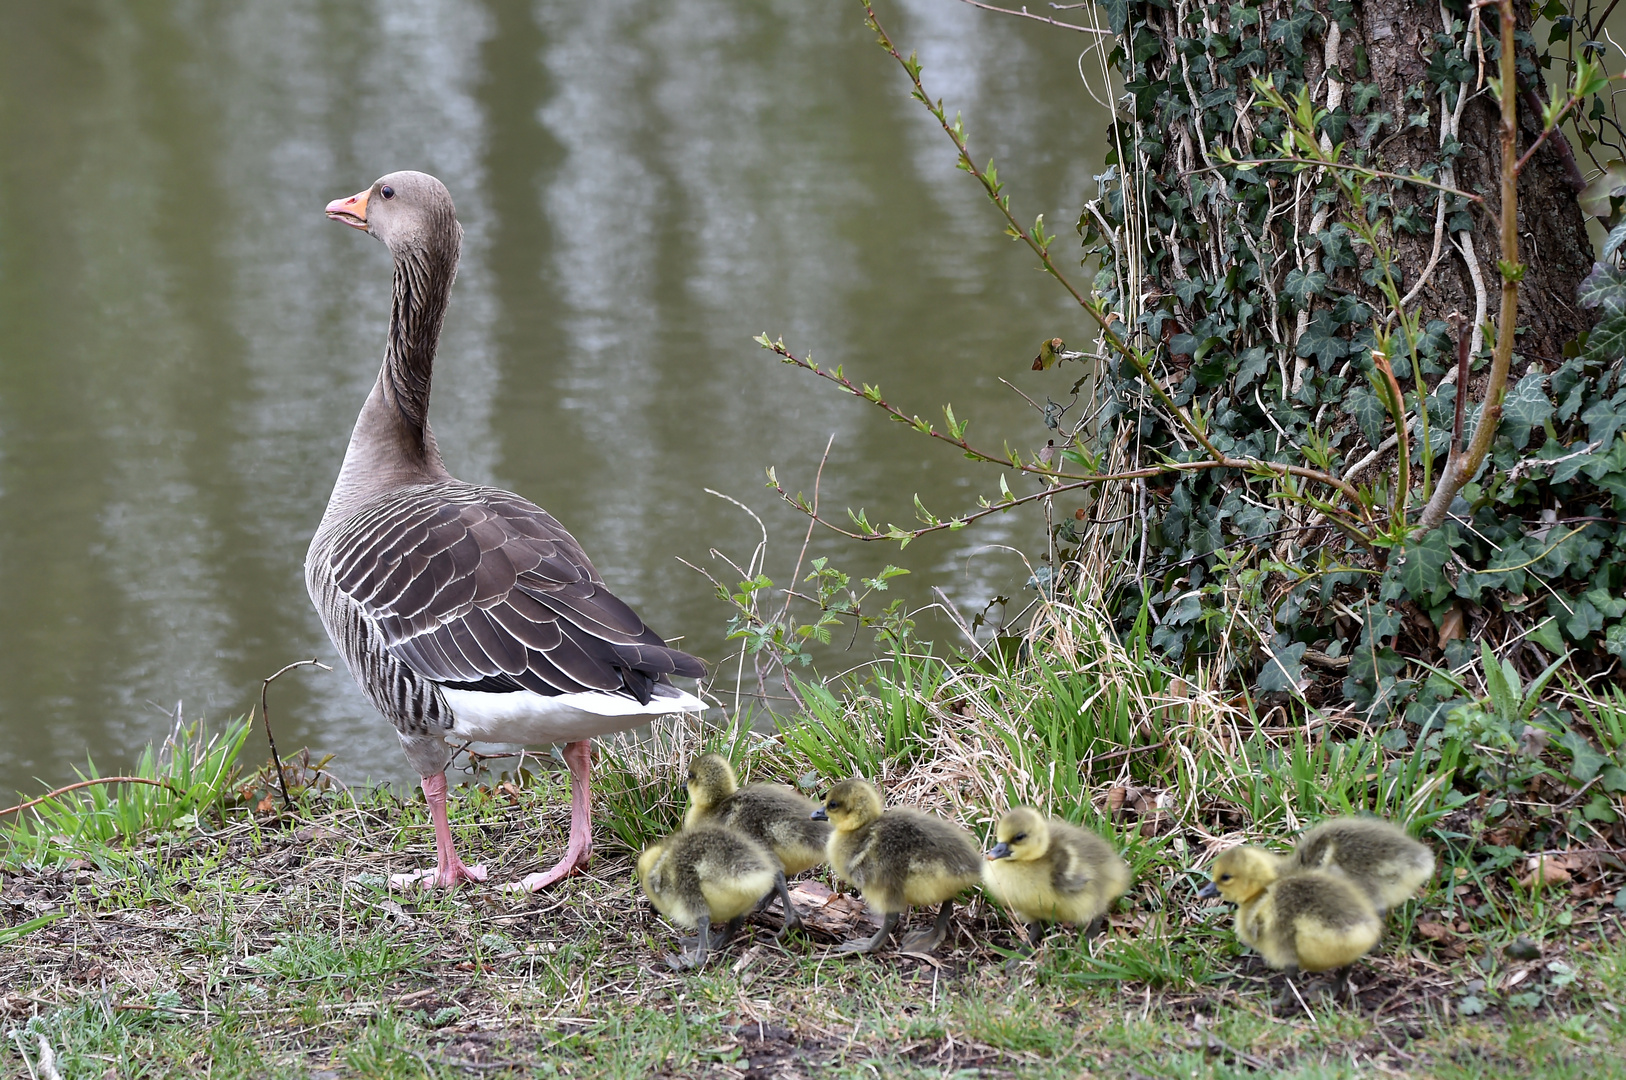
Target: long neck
pixel 392 444
pixel 423 283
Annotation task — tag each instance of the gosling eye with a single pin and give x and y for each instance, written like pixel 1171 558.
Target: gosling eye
pixel 1225 877
pixel 832 806
pixel 387 191
pixel 1019 837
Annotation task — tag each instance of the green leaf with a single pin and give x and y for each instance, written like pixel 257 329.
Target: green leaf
pixel 1320 340
pixel 1617 238
pixel 1612 778
pixel 1604 288
pixel 1547 635
pixel 1422 564
pixel 1303 286
pixel 12 933
pixel 1284 670
pixel 1586 761
pixel 1526 406
pixel 1369 412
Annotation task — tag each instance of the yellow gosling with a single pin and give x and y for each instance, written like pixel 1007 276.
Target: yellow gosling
pixel 1048 871
pixel 771 814
pixel 702 876
pixel 1378 857
pixel 1304 920
pixel 897 858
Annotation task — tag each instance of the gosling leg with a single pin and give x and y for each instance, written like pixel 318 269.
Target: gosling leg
pixel 793 918
pixel 726 934
pixel 873 944
pixel 1340 983
pixel 927 940
pixel 1290 997
pixel 702 938
pixel 1095 926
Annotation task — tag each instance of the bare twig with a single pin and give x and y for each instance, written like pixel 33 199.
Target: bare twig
pixel 265 714
pixel 1026 14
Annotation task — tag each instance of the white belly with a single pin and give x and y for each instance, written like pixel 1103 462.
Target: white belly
pixel 529 719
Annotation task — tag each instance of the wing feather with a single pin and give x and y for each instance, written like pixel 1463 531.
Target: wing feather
pixel 479 588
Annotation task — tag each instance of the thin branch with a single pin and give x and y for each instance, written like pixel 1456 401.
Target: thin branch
pixel 91 783
pixel 265 714
pixel 1036 239
pixel 1217 460
pixel 1026 14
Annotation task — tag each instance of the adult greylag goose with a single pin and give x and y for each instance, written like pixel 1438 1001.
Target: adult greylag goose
pixel 466 612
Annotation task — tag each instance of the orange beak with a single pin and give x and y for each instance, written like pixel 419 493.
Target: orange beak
pixel 351 211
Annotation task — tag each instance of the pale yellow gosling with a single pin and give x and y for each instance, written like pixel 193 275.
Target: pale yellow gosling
pixel 897 858
pixel 702 876
pixel 1048 871
pixel 1380 858
pixel 771 814
pixel 1304 920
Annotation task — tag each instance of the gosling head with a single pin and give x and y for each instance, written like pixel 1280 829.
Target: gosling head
pixel 408 211
pixel 711 780
pixel 1022 835
pixel 851 804
pixel 1240 874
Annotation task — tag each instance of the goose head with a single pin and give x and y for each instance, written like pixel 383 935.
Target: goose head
pixel 406 210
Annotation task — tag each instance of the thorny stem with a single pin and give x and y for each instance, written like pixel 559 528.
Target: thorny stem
pixel 1460 468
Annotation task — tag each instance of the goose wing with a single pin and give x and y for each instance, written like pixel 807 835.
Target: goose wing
pixel 479 589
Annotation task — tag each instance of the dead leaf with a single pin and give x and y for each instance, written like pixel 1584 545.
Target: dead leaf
pixel 1451 626
pixel 1547 870
pixel 1434 931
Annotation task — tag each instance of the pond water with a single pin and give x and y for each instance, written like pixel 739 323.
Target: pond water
pixel 185 341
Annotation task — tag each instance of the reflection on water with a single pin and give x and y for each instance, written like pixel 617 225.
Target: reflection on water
pixel 184 340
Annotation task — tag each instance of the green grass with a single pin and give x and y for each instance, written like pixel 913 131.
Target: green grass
pixel 170 938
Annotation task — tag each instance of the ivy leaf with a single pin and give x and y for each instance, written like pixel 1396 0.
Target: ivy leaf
pixel 1290 31
pixel 1613 607
pixel 1526 406
pixel 1607 340
pixel 1255 362
pixel 1422 564
pixel 1617 238
pixel 1603 418
pixel 1368 412
pixel 1304 285
pixel 1285 670
pixel 1585 620
pixel 1321 341
pixel 1587 760
pixel 1605 287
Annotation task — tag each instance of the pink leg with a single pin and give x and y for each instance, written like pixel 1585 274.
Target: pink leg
pixel 449 869
pixel 579 756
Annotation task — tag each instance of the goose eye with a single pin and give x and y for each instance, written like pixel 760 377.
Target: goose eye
pixel 387 191
pixel 1225 877
pixel 1019 837
pixel 832 806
